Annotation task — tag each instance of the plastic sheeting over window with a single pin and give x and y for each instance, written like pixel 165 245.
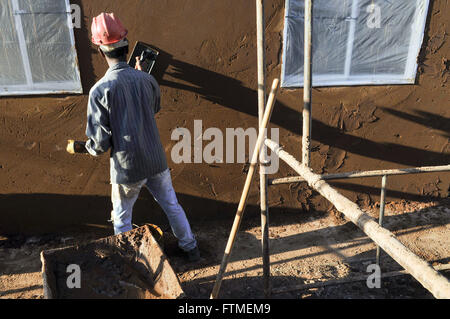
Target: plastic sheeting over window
pixel 37 48
pixel 355 42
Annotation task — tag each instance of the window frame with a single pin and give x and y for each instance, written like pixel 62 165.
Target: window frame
pixel 50 87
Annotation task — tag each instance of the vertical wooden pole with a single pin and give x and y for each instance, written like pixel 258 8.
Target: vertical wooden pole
pixel 263 180
pixel 307 85
pixel 248 183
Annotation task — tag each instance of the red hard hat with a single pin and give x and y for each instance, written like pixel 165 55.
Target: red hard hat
pixel 107 29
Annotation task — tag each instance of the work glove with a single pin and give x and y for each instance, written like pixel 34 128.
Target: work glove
pixel 74 147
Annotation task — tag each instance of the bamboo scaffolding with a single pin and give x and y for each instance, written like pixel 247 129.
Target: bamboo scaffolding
pixel 437 284
pixel 248 182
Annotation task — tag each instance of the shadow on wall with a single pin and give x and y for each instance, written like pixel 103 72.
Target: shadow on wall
pixel 45 213
pixel 230 93
pixel 426 191
pixel 252 288
pixel 426 38
pixel 424 118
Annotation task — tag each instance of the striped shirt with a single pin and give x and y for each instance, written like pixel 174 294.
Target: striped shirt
pixel 121 117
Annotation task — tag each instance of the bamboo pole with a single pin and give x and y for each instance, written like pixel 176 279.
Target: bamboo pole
pixel 336 282
pixel 437 284
pixel 263 179
pixel 248 182
pixel 307 85
pixel 381 217
pixel 387 172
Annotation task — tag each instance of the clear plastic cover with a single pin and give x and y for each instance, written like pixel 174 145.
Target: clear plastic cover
pixel 38 48
pixel 355 42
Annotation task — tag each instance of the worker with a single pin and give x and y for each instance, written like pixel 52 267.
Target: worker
pixel 121 117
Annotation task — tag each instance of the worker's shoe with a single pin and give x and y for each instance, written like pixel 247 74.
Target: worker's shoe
pixel 193 255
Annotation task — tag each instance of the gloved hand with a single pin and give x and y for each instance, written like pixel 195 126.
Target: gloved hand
pixel 74 147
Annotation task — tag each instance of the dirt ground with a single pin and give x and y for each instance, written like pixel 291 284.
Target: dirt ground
pixel 305 248
pixel 207 71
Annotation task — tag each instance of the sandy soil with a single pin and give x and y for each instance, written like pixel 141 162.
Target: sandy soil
pixel 305 248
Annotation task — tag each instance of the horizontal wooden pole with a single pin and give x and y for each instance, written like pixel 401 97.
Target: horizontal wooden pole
pixel 400 171
pixel 437 284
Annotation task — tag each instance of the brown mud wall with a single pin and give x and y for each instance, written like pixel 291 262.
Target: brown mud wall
pixel 207 71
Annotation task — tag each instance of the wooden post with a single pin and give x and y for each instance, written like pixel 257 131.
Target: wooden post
pixel 307 85
pixel 380 218
pixel 437 284
pixel 263 181
pixel 248 182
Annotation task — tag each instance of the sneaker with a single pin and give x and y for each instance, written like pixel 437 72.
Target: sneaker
pixel 193 255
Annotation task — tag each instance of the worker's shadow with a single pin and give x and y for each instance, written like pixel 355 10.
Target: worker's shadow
pixel 218 89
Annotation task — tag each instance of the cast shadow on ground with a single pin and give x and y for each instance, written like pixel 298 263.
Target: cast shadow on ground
pixel 403 287
pixel 348 234
pixel 5 293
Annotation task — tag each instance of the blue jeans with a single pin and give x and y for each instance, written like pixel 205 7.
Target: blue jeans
pixel 124 196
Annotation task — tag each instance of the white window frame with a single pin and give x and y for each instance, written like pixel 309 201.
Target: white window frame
pixel 345 79
pixel 53 87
